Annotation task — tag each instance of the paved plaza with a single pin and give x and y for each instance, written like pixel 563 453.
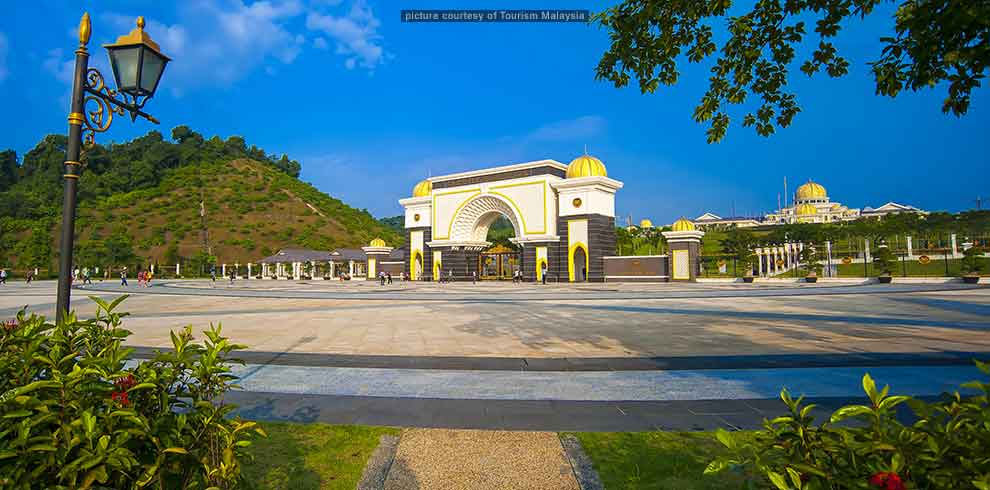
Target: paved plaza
pixel 557 357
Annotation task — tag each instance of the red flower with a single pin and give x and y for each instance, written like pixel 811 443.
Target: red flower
pixel 10 325
pixel 125 383
pixel 120 397
pixel 887 481
pixel 894 482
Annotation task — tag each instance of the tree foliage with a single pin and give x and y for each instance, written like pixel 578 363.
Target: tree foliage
pixel 934 41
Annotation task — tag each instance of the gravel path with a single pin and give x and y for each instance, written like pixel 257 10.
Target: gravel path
pixel 478 460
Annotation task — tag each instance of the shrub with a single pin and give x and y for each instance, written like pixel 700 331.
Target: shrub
pixel 884 260
pixel 970 263
pixel 75 414
pixel 946 448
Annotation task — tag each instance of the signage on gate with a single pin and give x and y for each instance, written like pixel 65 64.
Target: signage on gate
pixel 924 259
pixel 847 260
pixel 780 262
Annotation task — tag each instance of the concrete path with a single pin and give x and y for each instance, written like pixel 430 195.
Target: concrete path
pixel 429 459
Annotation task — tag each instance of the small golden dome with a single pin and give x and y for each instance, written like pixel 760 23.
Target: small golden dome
pixel 811 190
pixel 645 223
pixel 683 224
pixel 631 228
pixel 377 242
pixel 422 189
pixel 586 166
pixel 805 210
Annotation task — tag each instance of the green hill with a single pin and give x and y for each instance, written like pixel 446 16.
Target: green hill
pixel 140 203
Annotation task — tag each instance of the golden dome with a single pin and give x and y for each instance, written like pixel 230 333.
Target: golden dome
pixel 645 223
pixel 811 190
pixel 683 224
pixel 424 188
pixel 586 166
pixel 377 242
pixel 805 210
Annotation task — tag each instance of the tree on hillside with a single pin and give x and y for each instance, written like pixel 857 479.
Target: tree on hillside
pixel 8 169
pixel 934 41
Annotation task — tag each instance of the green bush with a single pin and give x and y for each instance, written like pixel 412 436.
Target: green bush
pixel 75 414
pixel 945 448
pixel 884 260
pixel 970 263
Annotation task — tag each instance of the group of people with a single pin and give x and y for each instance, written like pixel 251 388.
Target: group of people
pixel 384 277
pixel 83 275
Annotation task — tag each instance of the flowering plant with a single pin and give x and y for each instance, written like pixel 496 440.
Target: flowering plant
pixel 77 413
pixel 867 447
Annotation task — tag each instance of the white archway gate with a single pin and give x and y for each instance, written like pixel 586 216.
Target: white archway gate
pixel 553 208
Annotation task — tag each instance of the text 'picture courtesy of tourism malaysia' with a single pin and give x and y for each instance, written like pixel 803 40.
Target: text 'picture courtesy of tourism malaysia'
pixel 623 245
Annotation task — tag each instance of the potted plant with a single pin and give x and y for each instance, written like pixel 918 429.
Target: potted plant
pixel 884 262
pixel 970 265
pixel 809 257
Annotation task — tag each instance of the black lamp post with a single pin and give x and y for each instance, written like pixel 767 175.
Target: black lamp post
pixel 137 64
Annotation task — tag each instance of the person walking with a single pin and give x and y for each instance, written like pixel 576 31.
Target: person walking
pixel 87 278
pixel 106 273
pixel 543 276
pixel 474 277
pixel 233 275
pixel 123 277
pixel 388 278
pixel 213 275
pixel 30 276
pixel 3 276
pixel 147 278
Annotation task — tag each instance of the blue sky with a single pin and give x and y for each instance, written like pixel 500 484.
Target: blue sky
pixel 370 105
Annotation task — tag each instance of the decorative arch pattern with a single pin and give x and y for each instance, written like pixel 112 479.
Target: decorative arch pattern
pixel 476 216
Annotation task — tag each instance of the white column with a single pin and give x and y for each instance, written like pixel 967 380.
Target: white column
pixel 828 250
pixel 350 265
pixel 866 250
pixel 955 251
pixel 296 266
pixel 332 271
pixel 176 269
pixel 223 270
pixel 152 268
pixel 910 248
pixel 249 270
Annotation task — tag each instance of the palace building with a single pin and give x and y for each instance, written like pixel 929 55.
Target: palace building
pixel 811 204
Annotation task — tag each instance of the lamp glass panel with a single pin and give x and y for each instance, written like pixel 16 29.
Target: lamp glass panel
pixel 151 71
pixel 125 67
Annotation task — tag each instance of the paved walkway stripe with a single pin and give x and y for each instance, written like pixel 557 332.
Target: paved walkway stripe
pixel 544 415
pixel 725 384
pixel 658 363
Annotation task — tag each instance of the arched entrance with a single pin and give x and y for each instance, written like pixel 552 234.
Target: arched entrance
pixel 578 266
pixel 498 263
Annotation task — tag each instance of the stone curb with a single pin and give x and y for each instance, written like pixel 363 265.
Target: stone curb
pixel 379 464
pixel 584 471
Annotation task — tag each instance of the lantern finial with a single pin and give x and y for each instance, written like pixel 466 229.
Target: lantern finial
pixel 140 22
pixel 85 29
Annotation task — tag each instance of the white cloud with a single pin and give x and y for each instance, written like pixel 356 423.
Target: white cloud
pixel 584 127
pixel 58 66
pixel 3 56
pixel 220 41
pixel 355 34
pixel 320 43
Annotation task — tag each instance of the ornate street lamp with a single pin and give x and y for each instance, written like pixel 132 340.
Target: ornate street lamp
pixel 137 64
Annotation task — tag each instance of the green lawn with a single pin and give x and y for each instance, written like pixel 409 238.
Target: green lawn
pixel 656 460
pixel 913 268
pixel 311 456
